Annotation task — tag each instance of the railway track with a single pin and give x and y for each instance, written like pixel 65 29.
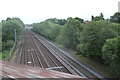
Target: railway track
pixel 32 53
pixel 37 52
pixel 77 66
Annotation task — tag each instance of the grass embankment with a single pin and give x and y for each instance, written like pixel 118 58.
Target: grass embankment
pixel 96 66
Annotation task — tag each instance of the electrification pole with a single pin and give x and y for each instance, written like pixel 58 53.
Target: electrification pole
pixel 15 35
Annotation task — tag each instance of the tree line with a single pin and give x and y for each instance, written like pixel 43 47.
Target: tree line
pixel 99 39
pixel 8 27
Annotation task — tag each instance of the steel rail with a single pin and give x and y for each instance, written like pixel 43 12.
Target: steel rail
pixel 36 54
pixel 85 67
pixel 31 52
pixel 63 61
pixel 69 56
pixel 25 50
pixel 53 61
pixel 22 61
pixel 38 59
pixel 41 53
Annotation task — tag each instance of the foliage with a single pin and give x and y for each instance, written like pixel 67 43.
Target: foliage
pixel 115 17
pixel 68 34
pixel 59 38
pixel 93 38
pixel 9 44
pixel 4 54
pixel 8 28
pixel 96 39
pixel 57 21
pixel 79 19
pixel 97 18
pixel 111 54
pixel 47 29
pixel 71 33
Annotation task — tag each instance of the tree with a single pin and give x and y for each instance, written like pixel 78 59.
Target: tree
pixel 97 18
pixel 101 16
pixel 92 18
pixel 115 17
pixel 47 29
pixel 8 19
pixel 8 27
pixel 111 55
pixel 93 38
pixel 71 33
pixel 57 21
pixel 79 19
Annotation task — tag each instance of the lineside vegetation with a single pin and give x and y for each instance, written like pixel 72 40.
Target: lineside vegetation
pixel 8 27
pixel 98 39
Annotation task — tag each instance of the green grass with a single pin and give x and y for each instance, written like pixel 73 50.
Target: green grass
pixel 96 66
pixel 4 54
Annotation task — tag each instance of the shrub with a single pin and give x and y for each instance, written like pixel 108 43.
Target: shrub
pixel 9 44
pixel 47 29
pixel 8 28
pixel 71 33
pixel 93 38
pixel 111 55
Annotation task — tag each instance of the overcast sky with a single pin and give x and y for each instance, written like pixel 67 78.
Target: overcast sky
pixel 32 11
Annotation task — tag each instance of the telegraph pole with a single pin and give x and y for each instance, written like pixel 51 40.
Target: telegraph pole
pixel 15 35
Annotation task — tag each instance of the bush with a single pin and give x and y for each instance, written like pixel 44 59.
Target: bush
pixel 93 38
pixel 97 39
pixel 71 33
pixel 8 28
pixel 9 44
pixel 111 55
pixel 48 29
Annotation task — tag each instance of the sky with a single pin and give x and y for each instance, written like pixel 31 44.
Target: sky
pixel 33 11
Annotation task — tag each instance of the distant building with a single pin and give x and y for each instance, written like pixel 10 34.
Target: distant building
pixel 85 22
pixel 28 26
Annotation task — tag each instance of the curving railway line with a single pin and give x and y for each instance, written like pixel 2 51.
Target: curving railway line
pixel 37 52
